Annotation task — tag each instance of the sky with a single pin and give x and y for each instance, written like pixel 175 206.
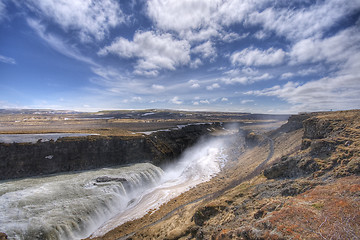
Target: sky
pixel 259 56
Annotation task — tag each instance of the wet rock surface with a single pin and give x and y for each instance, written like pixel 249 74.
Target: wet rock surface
pixel 3 236
pixel 109 179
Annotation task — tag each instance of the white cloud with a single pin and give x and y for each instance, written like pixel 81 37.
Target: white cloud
pixel 196 63
pixel 231 37
pixel 256 57
pixel 207 50
pixel 194 84
pixel 154 52
pixel 213 86
pixel 8 60
pixel 224 99
pixel 333 49
pixel 199 20
pixel 287 75
pixel 158 87
pixel 309 71
pixel 136 99
pixel 2 10
pixel 247 101
pixel 251 76
pixel 195 103
pixel 303 22
pixel 250 71
pixel 264 76
pixel 113 83
pixel 204 101
pixel 260 35
pixel 182 16
pixel 340 92
pixel 92 19
pixel 176 100
pixel 233 80
pixel 57 43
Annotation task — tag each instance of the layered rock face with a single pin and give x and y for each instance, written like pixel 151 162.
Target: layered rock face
pixel 82 153
pixel 312 193
pixel 308 190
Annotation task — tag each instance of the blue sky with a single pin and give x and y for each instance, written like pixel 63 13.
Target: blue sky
pixel 260 56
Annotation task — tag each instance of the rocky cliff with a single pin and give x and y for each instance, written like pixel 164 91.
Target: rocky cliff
pixel 82 153
pixel 310 189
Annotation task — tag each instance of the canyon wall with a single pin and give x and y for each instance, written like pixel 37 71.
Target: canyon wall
pixel 82 153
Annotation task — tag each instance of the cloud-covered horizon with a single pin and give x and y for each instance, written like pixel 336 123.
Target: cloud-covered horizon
pixel 228 55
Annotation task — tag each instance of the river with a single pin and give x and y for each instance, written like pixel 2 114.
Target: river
pixel 79 204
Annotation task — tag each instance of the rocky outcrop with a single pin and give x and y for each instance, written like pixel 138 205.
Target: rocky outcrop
pixel 294 122
pixel 3 236
pixel 331 144
pixel 311 193
pixel 311 190
pixel 82 153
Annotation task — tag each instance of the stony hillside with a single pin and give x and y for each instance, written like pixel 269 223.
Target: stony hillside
pixel 298 182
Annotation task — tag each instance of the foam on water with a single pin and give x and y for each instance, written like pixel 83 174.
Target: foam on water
pixel 76 205
pixel 69 206
pixel 197 164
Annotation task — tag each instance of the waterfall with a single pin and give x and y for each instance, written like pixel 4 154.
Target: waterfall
pixel 77 205
pixel 70 206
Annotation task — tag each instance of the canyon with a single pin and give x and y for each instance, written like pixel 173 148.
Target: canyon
pixel 280 181
pixel 308 189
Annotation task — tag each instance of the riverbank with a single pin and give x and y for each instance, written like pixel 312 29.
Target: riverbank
pixel 314 157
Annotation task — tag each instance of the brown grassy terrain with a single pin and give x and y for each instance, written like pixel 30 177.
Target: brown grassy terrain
pixel 310 189
pixel 120 123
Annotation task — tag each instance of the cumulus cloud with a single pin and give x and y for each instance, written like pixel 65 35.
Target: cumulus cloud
pixel 154 52
pixel 176 100
pixel 158 87
pixel 196 63
pixel 194 84
pixel 340 92
pixel 257 57
pixel 189 15
pixel 206 50
pixel 8 60
pixel 332 49
pixel 204 101
pixel 287 75
pixel 245 76
pixel 199 20
pixel 213 86
pixel 233 80
pixel 260 35
pixel 224 99
pixel 92 19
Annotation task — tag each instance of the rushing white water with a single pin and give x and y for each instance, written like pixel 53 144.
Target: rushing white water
pixel 69 206
pixel 72 206
pixel 197 164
